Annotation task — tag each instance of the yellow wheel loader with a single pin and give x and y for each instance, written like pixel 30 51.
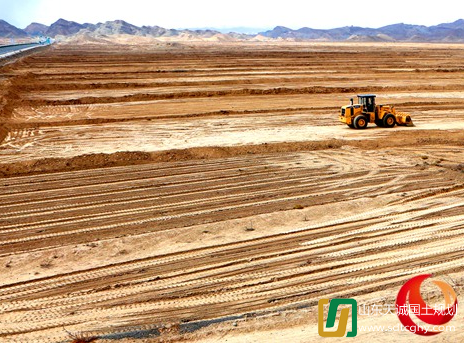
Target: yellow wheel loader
pixel 366 111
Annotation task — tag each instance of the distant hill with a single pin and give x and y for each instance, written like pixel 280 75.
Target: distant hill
pixel 36 29
pixel 64 28
pixel 10 31
pixel 117 27
pixel 447 32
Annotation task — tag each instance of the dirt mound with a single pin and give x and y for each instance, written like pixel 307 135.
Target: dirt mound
pixel 48 165
pixel 102 160
pixel 139 97
pixel 3 132
pixel 11 93
pixel 89 161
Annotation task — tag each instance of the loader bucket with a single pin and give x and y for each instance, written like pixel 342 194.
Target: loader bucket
pixel 403 119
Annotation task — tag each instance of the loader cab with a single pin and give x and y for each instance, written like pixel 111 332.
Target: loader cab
pixel 367 101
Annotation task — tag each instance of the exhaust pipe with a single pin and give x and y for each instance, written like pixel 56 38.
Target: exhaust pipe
pixel 351 101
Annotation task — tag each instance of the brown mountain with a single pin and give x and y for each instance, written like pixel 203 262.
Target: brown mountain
pixel 36 29
pixel 64 28
pixel 117 27
pixel 448 32
pixel 10 31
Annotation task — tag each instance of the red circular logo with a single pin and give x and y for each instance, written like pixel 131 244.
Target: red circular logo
pixel 433 316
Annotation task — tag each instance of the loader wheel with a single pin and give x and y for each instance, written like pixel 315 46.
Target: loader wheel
pixel 360 122
pixel 389 120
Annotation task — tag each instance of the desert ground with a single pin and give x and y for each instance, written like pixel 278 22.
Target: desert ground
pixel 208 193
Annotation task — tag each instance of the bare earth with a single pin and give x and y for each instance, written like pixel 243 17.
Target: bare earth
pixel 207 192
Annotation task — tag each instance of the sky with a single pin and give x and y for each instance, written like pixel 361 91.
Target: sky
pixel 262 14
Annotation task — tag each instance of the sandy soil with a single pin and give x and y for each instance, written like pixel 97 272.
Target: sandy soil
pixel 158 189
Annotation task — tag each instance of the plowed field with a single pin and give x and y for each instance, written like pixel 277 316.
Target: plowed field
pixel 154 191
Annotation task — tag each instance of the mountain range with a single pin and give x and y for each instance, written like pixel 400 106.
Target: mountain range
pixel 448 32
pixel 70 28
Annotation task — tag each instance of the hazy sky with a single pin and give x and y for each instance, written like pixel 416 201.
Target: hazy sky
pixel 234 13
